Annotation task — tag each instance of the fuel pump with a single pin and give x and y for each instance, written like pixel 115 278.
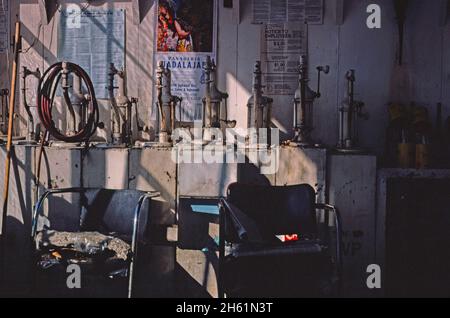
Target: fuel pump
pixel 259 106
pixel 121 107
pixel 304 104
pixel 166 103
pixel 349 112
pixel 215 112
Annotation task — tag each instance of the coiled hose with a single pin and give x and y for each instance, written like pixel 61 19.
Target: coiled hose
pixel 48 85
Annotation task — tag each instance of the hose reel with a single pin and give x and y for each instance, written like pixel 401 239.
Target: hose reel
pixel 47 88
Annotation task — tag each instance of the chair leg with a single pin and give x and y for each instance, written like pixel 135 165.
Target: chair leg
pixel 220 287
pixel 130 278
pixel 221 293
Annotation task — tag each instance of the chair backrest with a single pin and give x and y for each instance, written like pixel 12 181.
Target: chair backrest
pixel 110 211
pixel 277 210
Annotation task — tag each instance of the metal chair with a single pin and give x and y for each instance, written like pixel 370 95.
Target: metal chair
pixel 254 262
pixel 105 212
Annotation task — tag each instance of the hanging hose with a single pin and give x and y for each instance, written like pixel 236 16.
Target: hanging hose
pixel 46 94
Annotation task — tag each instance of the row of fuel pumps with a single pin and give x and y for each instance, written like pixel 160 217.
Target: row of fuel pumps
pixel 215 108
pixel 260 107
pixel 350 111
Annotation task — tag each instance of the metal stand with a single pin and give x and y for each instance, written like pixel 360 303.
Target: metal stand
pixel 349 112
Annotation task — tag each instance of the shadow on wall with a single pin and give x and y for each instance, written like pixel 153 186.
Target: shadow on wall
pixel 135 62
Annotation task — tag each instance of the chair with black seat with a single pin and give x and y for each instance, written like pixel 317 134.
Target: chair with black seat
pixel 104 243
pixel 254 262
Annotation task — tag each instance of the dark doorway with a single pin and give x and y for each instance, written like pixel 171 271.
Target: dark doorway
pixel 418 238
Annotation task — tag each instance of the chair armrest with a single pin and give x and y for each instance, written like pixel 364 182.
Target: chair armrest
pixel 230 210
pixel 245 227
pixel 37 210
pixel 338 222
pixel 136 218
pixel 134 245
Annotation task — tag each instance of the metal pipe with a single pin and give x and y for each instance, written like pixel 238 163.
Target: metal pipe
pixel 78 100
pixel 351 100
pixel 31 136
pixel 115 115
pixel 257 94
pixel 134 240
pixel 65 85
pixel 303 85
pixel 4 93
pixel 339 233
pixel 207 99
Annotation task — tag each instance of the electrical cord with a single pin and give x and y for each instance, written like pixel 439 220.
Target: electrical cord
pixel 48 85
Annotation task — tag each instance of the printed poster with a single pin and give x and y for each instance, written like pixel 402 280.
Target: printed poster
pixel 283 11
pixel 186 34
pixel 281 47
pixel 4 26
pixel 93 38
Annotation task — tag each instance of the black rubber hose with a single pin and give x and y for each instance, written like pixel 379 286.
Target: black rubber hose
pixel 48 85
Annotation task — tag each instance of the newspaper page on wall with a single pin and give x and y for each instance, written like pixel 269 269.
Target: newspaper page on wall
pixel 186 34
pixel 93 38
pixel 281 47
pixel 4 25
pixel 282 11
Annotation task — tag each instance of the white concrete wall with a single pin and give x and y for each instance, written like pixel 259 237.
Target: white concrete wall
pixel 372 53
